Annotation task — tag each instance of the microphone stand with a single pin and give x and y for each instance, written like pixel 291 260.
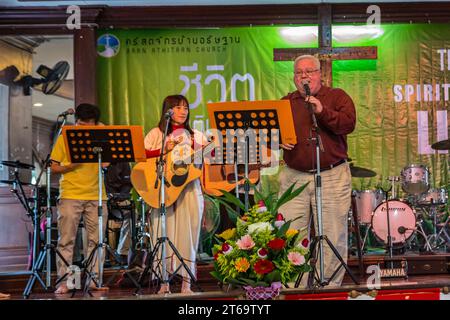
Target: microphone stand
pixel 164 239
pixel 393 180
pixel 161 176
pixel 162 211
pixel 319 148
pixel 318 192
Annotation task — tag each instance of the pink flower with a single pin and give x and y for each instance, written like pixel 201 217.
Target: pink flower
pixel 296 258
pixel 226 248
pixel 262 253
pixel 245 243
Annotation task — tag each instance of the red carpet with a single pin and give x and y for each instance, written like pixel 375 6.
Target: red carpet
pixel 411 294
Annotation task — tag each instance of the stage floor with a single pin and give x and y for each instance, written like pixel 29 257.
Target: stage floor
pixel 208 288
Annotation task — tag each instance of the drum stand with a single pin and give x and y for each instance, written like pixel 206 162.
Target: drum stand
pixel 45 254
pixel 125 269
pixel 365 237
pixel 142 233
pixel 143 242
pixel 432 241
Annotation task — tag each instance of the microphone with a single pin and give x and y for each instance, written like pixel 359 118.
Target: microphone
pixel 67 112
pixel 306 88
pixel 168 114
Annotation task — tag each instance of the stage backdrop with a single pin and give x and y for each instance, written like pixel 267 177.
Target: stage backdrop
pixel 401 98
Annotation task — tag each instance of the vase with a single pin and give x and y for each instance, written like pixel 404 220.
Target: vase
pixel 263 293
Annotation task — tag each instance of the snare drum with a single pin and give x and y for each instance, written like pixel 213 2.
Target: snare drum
pixel 414 179
pixel 434 196
pixel 366 201
pixel 402 221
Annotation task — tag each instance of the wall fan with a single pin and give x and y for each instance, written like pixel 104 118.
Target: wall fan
pixel 51 80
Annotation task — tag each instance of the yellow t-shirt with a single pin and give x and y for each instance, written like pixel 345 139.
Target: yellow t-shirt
pixel 78 184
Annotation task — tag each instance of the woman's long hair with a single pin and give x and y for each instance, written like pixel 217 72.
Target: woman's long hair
pixel 168 103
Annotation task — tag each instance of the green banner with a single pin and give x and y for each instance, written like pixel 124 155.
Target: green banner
pixel 401 97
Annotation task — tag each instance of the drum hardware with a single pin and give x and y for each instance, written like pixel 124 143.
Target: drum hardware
pixel 142 227
pixel 17 164
pixel 393 180
pixel 436 239
pixel 49 248
pixel 17 185
pixel 143 241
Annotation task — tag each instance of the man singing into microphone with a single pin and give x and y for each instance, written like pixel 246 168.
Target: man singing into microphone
pixel 336 117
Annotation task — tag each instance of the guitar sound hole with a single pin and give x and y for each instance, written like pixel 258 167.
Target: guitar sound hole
pixel 179 168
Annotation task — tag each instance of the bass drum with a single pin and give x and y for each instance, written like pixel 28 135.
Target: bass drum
pixel 402 220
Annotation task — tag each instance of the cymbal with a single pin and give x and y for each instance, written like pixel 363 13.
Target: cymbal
pixel 17 164
pixel 359 172
pixel 12 181
pixel 441 145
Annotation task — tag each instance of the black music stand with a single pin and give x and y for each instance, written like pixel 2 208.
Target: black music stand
pixel 246 128
pixel 98 144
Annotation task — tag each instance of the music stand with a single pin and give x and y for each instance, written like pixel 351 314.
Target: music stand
pixel 245 128
pixel 97 144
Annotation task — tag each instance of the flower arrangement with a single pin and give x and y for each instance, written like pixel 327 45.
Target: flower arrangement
pixel 262 249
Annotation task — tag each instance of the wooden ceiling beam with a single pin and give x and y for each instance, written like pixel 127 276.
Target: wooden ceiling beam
pixel 14 20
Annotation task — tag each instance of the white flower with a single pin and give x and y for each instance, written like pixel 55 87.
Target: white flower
pixel 279 223
pixel 261 209
pixel 259 227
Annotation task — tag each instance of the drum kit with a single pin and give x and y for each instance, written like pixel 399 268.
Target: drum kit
pixel 417 222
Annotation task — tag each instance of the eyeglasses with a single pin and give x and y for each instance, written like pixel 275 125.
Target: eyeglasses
pixel 309 73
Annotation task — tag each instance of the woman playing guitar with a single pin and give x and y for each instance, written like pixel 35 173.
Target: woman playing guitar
pixel 183 218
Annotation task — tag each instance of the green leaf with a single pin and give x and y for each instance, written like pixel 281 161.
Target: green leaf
pixel 288 195
pixel 282 231
pixel 217 275
pixel 258 195
pixel 232 199
pixel 235 281
pixel 232 214
pixel 248 281
pixel 274 276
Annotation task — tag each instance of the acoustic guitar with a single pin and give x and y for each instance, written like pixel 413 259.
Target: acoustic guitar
pixel 181 168
pixel 218 177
